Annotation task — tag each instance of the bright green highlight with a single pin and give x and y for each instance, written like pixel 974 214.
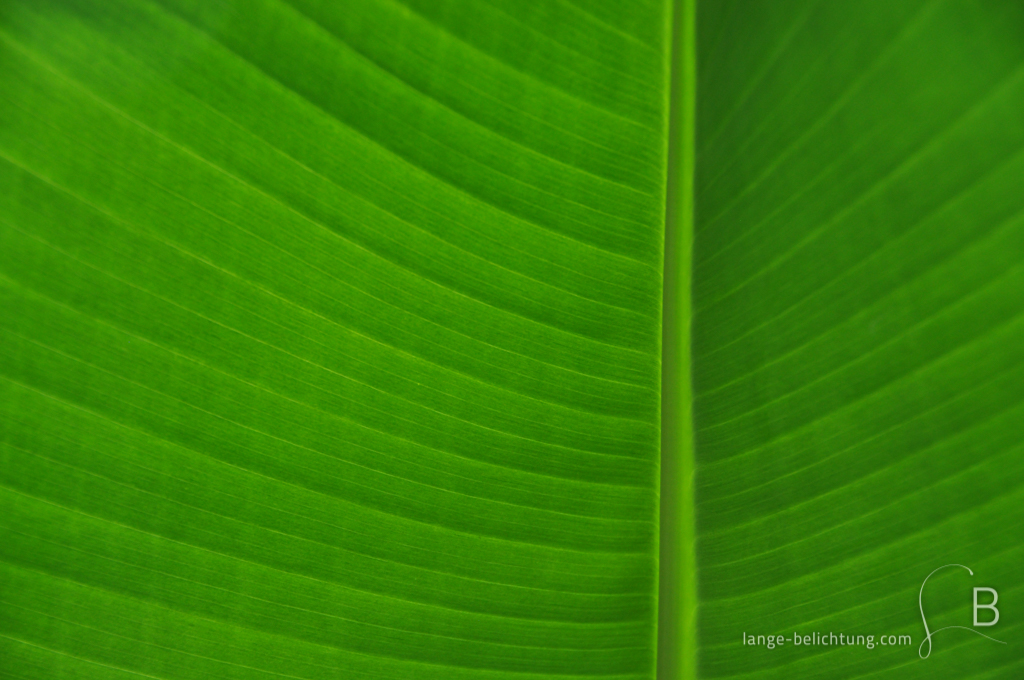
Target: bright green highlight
pixel 677 616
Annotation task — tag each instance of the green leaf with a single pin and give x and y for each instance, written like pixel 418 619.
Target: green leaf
pixel 499 339
pixel 331 342
pixel 858 338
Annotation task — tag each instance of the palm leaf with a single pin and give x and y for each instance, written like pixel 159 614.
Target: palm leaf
pixel 357 339
pixel 857 333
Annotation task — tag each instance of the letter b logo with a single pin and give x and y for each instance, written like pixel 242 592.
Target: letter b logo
pixel 991 605
pixel 928 633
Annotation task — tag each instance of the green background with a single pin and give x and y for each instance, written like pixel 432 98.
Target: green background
pixel 857 333
pixel 502 339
